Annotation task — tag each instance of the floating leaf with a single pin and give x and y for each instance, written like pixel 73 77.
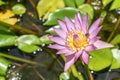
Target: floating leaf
pixel 60 14
pixel 7 40
pixel 51 30
pixel 73 3
pixel 45 7
pixel 115 4
pixel 1 2
pixel 88 9
pixel 18 9
pixel 64 76
pixel 116 59
pixel 7 17
pixel 29 48
pixel 100 59
pixel 106 2
pixel 116 40
pixel 45 40
pixel 4 63
pixel 5 30
pixel 70 3
pixel 2 78
pixel 28 43
pixel 29 39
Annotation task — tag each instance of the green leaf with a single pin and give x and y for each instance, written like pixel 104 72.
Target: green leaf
pixel 4 63
pixel 45 40
pixel 45 7
pixel 1 2
pixel 64 76
pixel 100 59
pixel 51 30
pixel 106 2
pixel 115 4
pixel 28 43
pixel 116 59
pixel 79 2
pixel 7 40
pixel 28 47
pixel 29 39
pixel 60 14
pixel 116 40
pixel 5 30
pixel 87 8
pixel 19 9
pixel 103 15
pixel 70 3
pixel 73 3
pixel 2 78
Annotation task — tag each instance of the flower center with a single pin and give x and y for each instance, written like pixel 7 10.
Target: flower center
pixel 76 40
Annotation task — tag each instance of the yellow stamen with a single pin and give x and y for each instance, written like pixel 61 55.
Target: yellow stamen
pixel 76 40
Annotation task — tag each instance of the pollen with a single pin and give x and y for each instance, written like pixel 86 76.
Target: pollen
pixel 76 40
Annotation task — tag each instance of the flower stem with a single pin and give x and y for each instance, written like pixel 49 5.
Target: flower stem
pixel 20 59
pixel 113 32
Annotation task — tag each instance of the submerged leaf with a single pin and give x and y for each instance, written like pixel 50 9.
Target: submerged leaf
pixel 6 17
pixel 45 7
pixel 100 59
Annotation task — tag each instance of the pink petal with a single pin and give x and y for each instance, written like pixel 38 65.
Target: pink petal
pixel 65 51
pixel 56 46
pixel 85 24
pixel 60 32
pixel 77 23
pixel 95 32
pixel 63 25
pixel 77 55
pixel 69 62
pixel 69 23
pixel 95 25
pixel 79 18
pixel 90 48
pixel 85 57
pixel 94 39
pixel 57 40
pixel 69 53
pixel 101 44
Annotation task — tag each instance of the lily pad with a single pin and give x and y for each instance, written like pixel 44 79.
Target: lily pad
pixel 7 40
pixel 28 43
pixel 115 4
pixel 116 59
pixel 45 7
pixel 100 59
pixel 116 40
pixel 60 14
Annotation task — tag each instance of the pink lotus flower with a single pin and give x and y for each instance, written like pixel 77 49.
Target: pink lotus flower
pixel 75 39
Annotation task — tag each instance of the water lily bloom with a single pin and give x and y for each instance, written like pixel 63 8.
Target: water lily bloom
pixel 75 39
